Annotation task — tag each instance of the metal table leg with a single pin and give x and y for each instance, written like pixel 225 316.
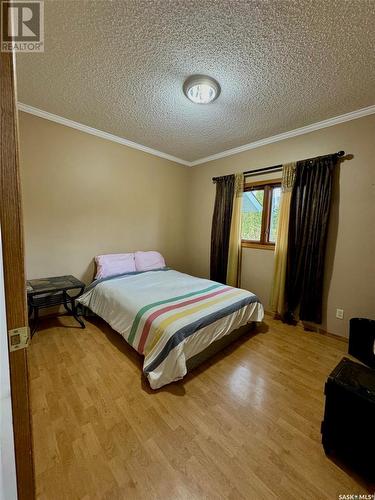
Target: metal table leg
pixel 35 310
pixel 72 310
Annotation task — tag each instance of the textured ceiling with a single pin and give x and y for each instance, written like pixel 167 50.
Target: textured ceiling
pixel 119 67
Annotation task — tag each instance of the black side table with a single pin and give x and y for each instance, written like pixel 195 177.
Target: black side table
pixel 47 292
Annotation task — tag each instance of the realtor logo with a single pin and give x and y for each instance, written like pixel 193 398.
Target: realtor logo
pixel 22 26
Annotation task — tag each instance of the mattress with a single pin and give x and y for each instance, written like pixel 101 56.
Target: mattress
pixel 170 317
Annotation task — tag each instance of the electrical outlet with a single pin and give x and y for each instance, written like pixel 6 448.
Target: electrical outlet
pixel 340 313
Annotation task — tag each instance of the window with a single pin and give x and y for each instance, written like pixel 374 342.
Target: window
pixel 260 214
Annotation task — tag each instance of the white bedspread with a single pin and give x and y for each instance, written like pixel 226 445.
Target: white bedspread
pixel 168 317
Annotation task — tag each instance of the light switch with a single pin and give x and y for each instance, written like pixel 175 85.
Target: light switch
pixel 340 313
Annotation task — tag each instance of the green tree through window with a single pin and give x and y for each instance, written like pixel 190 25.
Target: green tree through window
pixel 260 213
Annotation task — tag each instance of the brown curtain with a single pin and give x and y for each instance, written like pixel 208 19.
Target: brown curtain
pixel 308 224
pixel 221 224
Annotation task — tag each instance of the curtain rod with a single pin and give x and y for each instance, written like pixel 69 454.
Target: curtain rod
pixel 277 168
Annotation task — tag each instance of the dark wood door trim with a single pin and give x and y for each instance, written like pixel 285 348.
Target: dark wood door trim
pixel 14 275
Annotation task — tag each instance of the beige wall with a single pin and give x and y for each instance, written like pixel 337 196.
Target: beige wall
pixel 350 272
pixel 84 196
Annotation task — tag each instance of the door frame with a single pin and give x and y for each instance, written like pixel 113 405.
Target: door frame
pixel 14 275
pixel 8 482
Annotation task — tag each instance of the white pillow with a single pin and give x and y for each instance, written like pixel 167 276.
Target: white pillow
pixel 146 261
pixel 114 263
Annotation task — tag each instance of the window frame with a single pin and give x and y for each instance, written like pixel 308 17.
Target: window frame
pixel 268 186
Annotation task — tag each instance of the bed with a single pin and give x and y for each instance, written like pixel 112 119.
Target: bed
pixel 172 319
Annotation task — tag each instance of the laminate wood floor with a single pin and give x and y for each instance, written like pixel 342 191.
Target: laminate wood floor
pixel 245 425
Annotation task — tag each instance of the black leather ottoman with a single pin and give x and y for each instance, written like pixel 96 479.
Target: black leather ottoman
pixel 348 428
pixel 362 340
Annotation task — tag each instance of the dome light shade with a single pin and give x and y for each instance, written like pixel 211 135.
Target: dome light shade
pixel 201 89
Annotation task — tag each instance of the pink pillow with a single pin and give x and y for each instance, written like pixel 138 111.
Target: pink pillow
pixel 146 261
pixel 114 263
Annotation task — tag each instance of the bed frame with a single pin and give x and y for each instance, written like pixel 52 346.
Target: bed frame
pixel 207 353
pixel 218 346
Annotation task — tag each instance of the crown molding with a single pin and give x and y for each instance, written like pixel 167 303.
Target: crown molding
pixel 99 133
pixel 359 113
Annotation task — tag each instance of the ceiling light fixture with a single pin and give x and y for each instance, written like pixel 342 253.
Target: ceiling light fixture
pixel 201 89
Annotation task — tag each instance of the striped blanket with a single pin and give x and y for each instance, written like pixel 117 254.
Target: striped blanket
pixel 169 317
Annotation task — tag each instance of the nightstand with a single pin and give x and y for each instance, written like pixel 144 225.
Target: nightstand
pixel 47 292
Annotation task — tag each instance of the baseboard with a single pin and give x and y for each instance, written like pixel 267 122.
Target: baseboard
pixel 333 335
pixel 310 328
pixel 269 313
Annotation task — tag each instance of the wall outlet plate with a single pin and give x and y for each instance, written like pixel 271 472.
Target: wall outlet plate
pixel 340 313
